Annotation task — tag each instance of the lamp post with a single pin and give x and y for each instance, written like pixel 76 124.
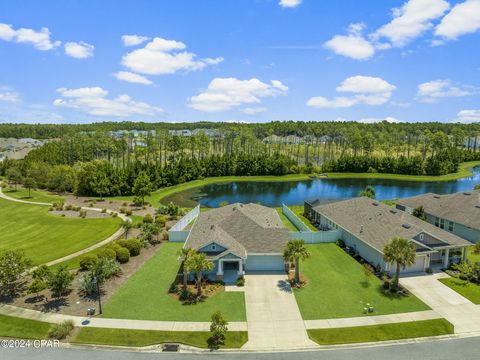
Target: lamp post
pixel 96 282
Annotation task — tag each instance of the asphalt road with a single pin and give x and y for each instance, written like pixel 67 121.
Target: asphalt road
pixel 459 349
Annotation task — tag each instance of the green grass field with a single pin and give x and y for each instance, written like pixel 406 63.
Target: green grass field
pixel 138 338
pixel 45 237
pixel 471 256
pixel 23 328
pixel 465 288
pixel 361 334
pixel 144 296
pixel 338 287
pixel 286 222
pixel 35 195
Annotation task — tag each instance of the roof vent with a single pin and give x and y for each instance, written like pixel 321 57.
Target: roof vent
pixel 467 193
pixel 436 196
pixel 407 226
pixel 477 206
pixel 393 211
pixel 361 228
pixel 212 227
pixel 375 204
pixel 234 208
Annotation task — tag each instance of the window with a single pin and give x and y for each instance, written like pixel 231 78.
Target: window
pixel 442 223
pixel 437 222
pixel 450 226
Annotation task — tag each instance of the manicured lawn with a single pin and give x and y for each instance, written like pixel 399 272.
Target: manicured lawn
pixel 35 195
pixel 465 288
pixel 298 210
pixel 286 222
pixel 46 237
pixel 75 262
pixel 360 334
pixel 145 295
pixel 471 256
pixel 338 287
pixel 23 328
pixel 126 337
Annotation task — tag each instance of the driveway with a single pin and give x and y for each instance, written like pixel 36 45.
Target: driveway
pixel 273 317
pixel 462 313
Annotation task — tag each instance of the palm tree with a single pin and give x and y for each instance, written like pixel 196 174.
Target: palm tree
pixel 369 191
pixel 402 252
pixel 186 254
pixel 198 263
pixel 294 251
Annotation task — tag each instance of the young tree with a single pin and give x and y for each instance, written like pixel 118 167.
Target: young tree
pixel 142 186
pixel 400 252
pixel 59 281
pixel 369 191
pixel 127 226
pixel 100 184
pixel 36 286
pixel 295 250
pixel 12 264
pixel 186 254
pixel 30 184
pixel 198 263
pixel 218 329
pixel 14 176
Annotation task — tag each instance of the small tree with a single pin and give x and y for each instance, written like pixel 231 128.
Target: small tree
pixel 186 254
pixel 127 226
pixel 30 184
pixel 100 184
pixel 149 231
pixel 419 212
pixel 59 281
pixel 295 251
pixel 198 263
pixel 14 176
pixel 36 286
pixel 218 329
pixel 369 191
pixel 12 264
pixel 142 186
pixel 400 252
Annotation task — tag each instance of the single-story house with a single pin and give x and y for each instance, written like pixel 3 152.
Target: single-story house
pixel 367 225
pixel 239 238
pixel 457 213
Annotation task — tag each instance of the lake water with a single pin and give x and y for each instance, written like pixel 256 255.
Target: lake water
pixel 295 192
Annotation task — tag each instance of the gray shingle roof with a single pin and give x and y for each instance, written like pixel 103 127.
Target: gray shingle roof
pixel 241 228
pixel 377 224
pixel 462 207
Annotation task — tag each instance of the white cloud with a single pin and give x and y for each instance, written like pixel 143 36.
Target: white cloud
pixel 9 96
pixel 410 21
pixel 224 94
pixel 353 45
pixel 132 78
pixel 132 40
pixel 366 90
pixel 94 101
pixel 289 3
pixel 253 111
pixel 432 91
pixel 39 39
pixel 468 116
pixel 161 56
pixel 79 50
pixel 388 119
pixel 463 19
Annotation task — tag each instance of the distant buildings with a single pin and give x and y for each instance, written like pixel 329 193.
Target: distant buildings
pixel 295 139
pixel 210 133
pixel 13 148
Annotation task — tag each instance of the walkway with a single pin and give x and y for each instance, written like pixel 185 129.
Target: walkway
pixel 111 238
pixel 273 318
pixel 462 313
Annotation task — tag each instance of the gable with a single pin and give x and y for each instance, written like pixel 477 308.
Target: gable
pixel 212 247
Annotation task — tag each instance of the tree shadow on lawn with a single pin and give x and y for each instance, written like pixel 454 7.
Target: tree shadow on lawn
pixel 365 284
pixel 55 304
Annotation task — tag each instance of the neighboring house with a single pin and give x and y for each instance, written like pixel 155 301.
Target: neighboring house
pixel 239 238
pixel 457 213
pixel 367 226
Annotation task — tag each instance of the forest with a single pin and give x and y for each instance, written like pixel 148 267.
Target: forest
pixel 97 159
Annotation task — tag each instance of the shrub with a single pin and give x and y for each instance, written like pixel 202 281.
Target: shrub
pixel 105 269
pixel 241 281
pixel 86 284
pixel 87 261
pixel 82 213
pixel 218 329
pixel 62 330
pixel 59 281
pixel 122 210
pixel 104 211
pixel 147 219
pixel 134 247
pixel 372 170
pixel 476 248
pixel 173 288
pixel 114 214
pixel 165 236
pixel 36 286
pixel 123 255
pixel 428 270
pixel 69 207
pixel 128 212
pixel 124 204
pixel 340 243
pixel 160 220
pixel 122 243
pixel 108 254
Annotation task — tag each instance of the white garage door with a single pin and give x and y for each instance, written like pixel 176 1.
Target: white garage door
pixel 264 263
pixel 419 265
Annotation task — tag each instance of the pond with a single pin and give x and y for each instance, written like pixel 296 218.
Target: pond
pixel 295 192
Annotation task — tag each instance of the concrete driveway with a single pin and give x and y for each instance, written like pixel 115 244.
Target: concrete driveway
pixel 273 317
pixel 462 313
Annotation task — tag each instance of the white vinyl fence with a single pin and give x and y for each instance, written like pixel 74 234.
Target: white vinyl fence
pixel 177 232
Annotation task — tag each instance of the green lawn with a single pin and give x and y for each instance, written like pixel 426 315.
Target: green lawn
pixel 35 195
pixel 298 210
pixel 338 287
pixel 45 237
pixel 361 334
pixel 465 288
pixel 471 256
pixel 23 328
pixel 138 338
pixel 144 296
pixel 286 222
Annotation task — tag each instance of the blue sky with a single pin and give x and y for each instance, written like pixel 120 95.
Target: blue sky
pixel 242 60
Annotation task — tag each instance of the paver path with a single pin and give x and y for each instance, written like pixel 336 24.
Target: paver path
pixel 461 312
pixel 111 238
pixel 273 317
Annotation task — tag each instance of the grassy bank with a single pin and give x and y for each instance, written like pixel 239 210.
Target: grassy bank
pixel 35 195
pixel 465 288
pixel 138 338
pixel 361 334
pixel 23 328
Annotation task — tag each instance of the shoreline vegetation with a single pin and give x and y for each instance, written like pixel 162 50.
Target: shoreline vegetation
pixel 156 196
